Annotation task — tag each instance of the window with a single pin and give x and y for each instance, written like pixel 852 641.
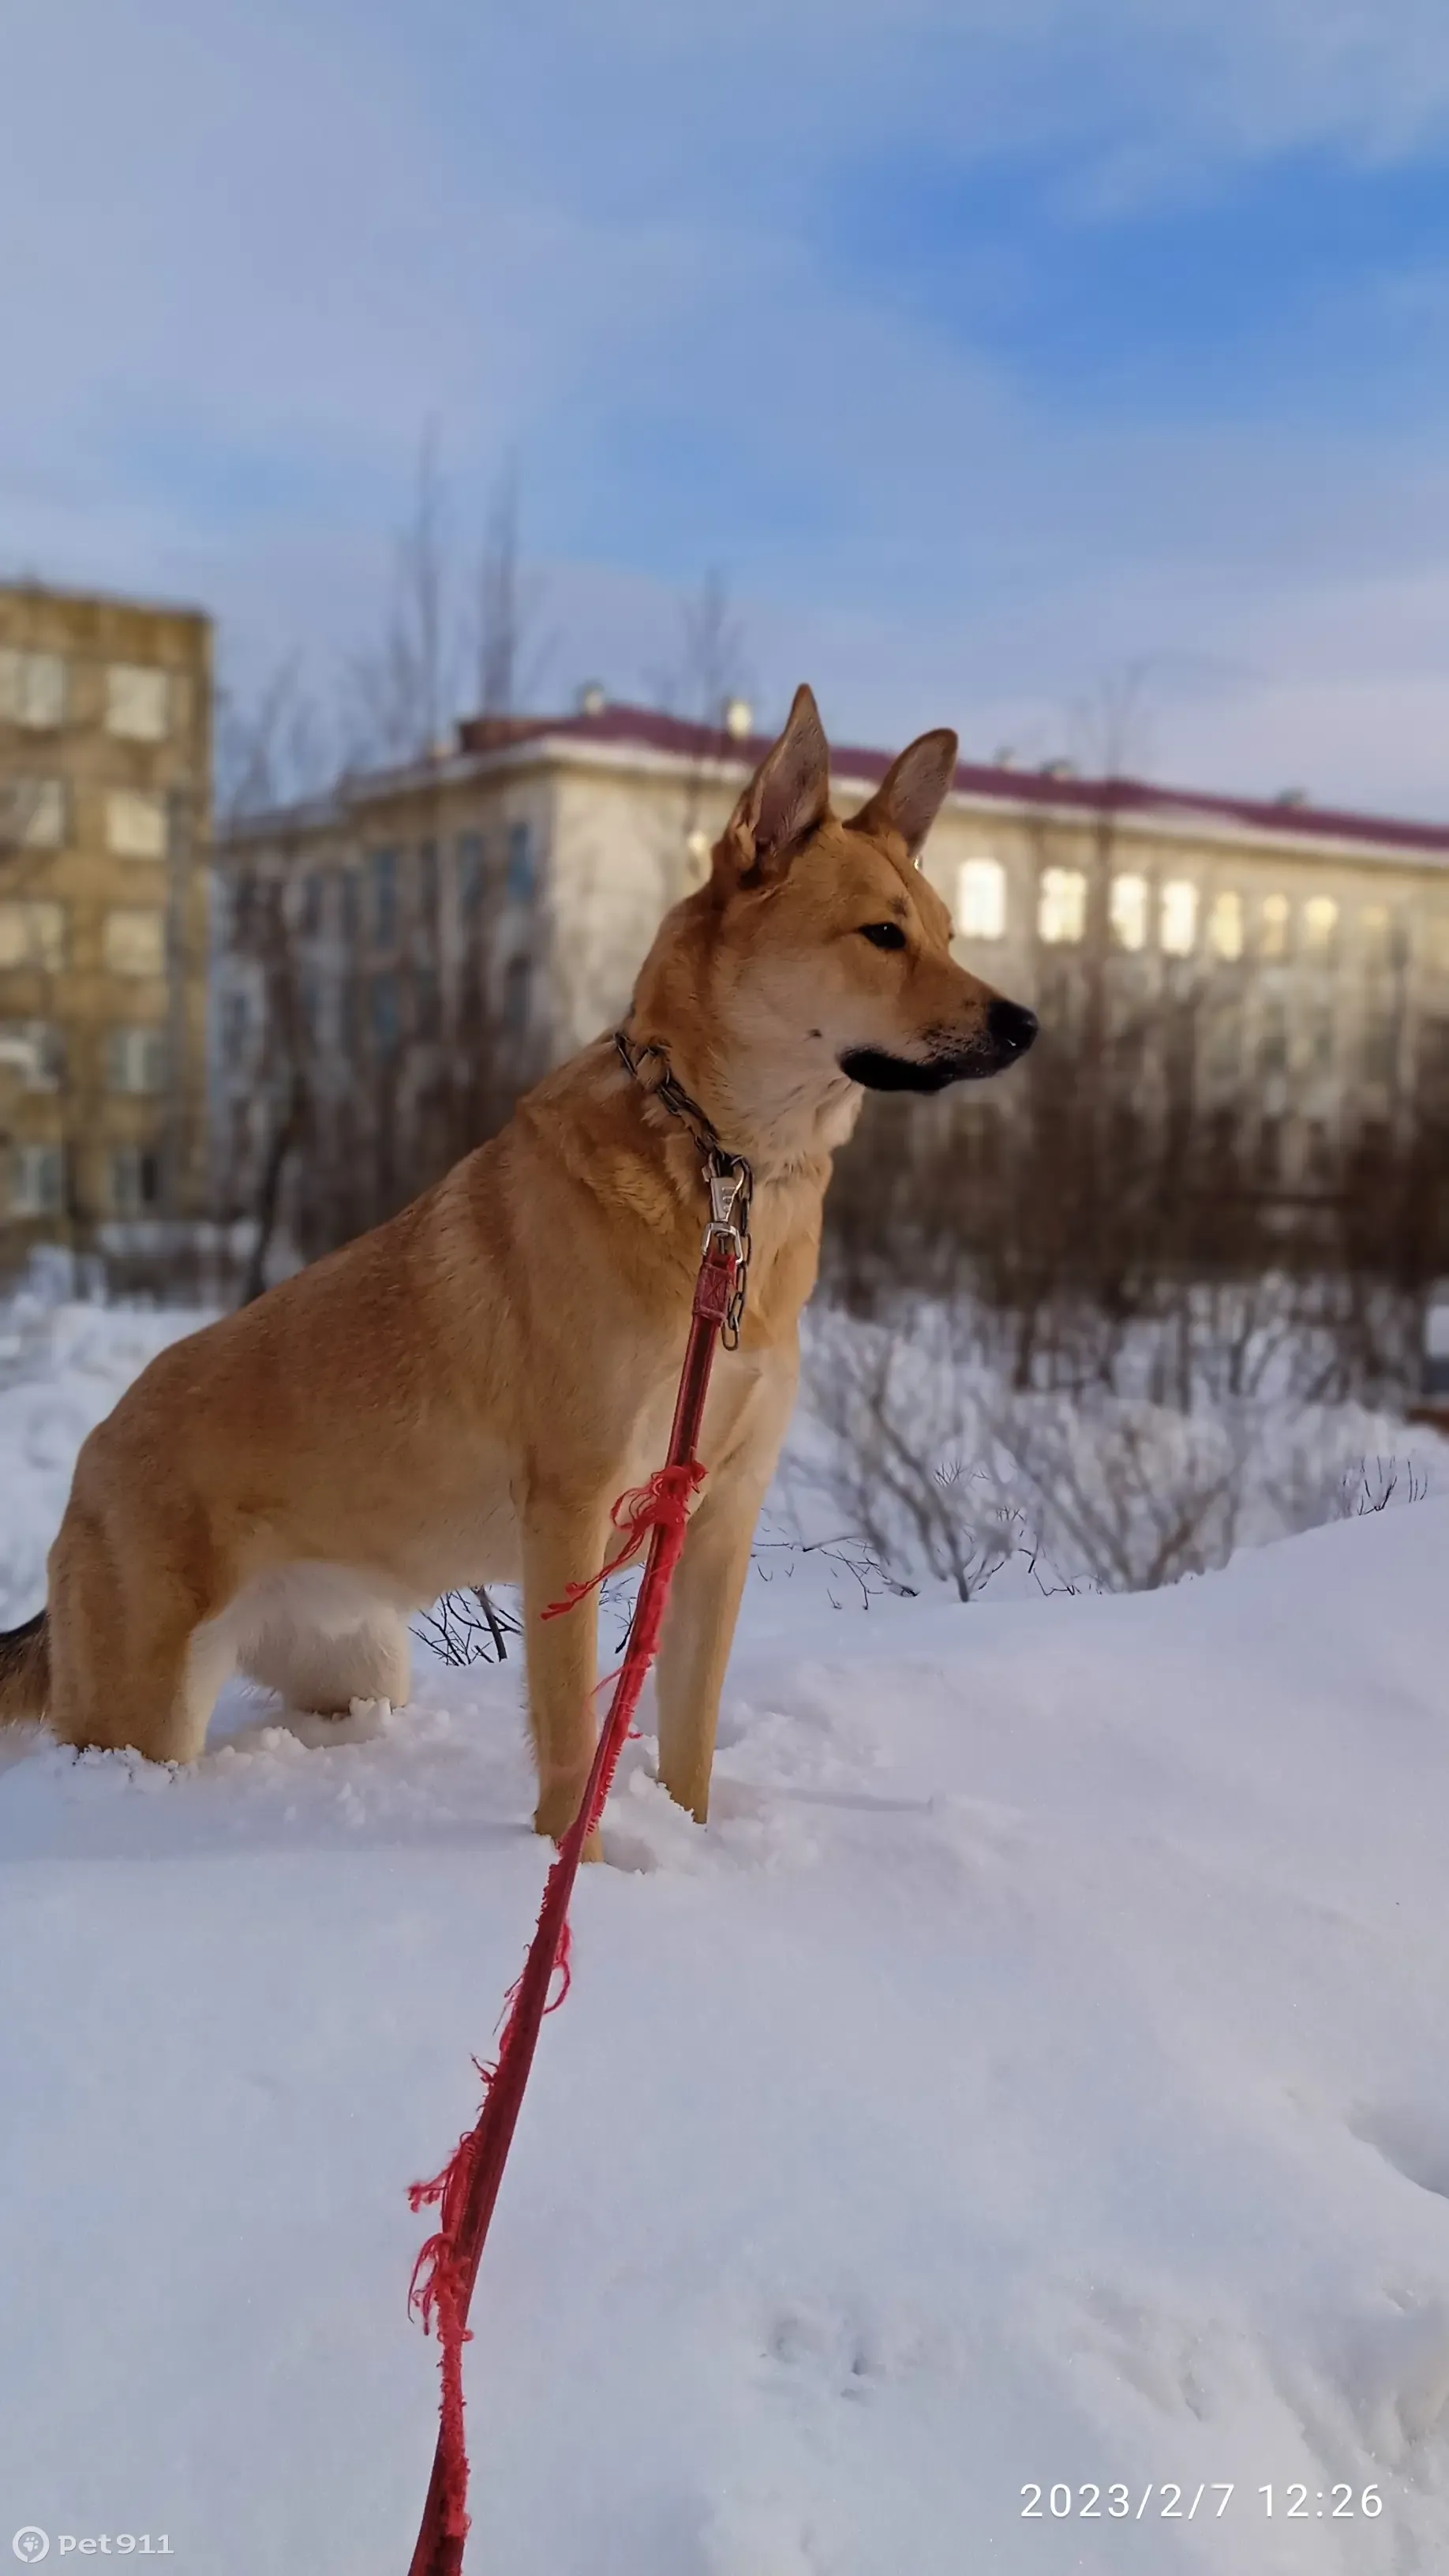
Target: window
pixel 137 702
pixel 1268 1157
pixel 1434 1054
pixel 427 1003
pixel 1320 929
pixel 36 1051
pixel 134 942
pixel 37 1180
pixel 236 1023
pixel 522 871
pixel 384 1014
pixel 1375 935
pixel 1225 927
pixel 1062 908
pixel 1322 1031
pixel 351 908
pixel 1129 911
pixel 32 934
pixel 310 1003
pixel 32 688
pixel 517 996
pixel 428 880
pixel 309 903
pixel 136 1058
pixel 32 813
pixel 1223 1052
pixel 1273 1037
pixel 980 899
pixel 470 872
pixel 135 824
pixel 1273 926
pixel 382 887
pixel 135 1180
pixel 1178 918
pixel 1380 1046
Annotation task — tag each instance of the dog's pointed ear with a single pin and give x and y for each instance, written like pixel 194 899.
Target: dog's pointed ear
pixel 784 801
pixel 913 790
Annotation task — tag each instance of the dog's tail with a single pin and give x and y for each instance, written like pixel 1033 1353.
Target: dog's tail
pixel 25 1670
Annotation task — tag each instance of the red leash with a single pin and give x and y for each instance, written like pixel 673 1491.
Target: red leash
pixel 465 2192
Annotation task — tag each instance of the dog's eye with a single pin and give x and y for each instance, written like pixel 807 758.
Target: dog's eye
pixel 883 934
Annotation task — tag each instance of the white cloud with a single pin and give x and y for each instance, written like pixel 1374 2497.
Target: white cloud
pixel 258 248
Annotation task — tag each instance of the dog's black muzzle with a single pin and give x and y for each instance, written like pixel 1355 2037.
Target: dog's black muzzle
pixel 1009 1031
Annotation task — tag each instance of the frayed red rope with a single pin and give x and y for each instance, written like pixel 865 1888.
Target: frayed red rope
pixel 442 2279
pixel 665 1498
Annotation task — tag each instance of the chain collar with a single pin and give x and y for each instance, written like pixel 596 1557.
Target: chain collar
pixel 729 1178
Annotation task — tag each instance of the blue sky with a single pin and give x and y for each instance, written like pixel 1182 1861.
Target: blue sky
pixel 988 347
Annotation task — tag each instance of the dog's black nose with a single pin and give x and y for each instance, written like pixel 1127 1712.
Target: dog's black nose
pixel 1011 1028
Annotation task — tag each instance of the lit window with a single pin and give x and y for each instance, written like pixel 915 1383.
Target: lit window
pixel 37 1180
pixel 1129 911
pixel 135 824
pixel 136 1060
pixel 1320 928
pixel 137 702
pixel 36 1051
pixel 32 813
pixel 1179 918
pixel 32 934
pixel 134 942
pixel 1062 910
pixel 32 688
pixel 1374 932
pixel 135 1180
pixel 1225 926
pixel 1273 926
pixel 522 871
pixel 981 899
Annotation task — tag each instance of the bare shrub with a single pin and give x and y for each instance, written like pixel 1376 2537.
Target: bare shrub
pixel 903 1457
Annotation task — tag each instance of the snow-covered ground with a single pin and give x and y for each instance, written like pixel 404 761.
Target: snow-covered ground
pixel 1032 2083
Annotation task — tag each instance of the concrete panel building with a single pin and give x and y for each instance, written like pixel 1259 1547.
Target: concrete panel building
pixel 105 800
pixel 454 927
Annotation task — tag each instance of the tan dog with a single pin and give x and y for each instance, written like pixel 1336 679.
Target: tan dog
pixel 459 1396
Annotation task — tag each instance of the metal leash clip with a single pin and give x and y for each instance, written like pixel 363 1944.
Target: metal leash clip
pixel 724 1189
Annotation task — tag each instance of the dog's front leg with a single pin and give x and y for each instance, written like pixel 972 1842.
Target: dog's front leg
pixel 698 1633
pixel 563 1543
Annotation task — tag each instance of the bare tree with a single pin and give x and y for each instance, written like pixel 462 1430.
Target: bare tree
pixel 510 651
pixel 400 693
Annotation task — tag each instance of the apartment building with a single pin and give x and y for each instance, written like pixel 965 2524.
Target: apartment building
pixel 452 928
pixel 105 788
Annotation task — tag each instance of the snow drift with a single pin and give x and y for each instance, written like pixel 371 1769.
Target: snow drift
pixel 1031 2082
